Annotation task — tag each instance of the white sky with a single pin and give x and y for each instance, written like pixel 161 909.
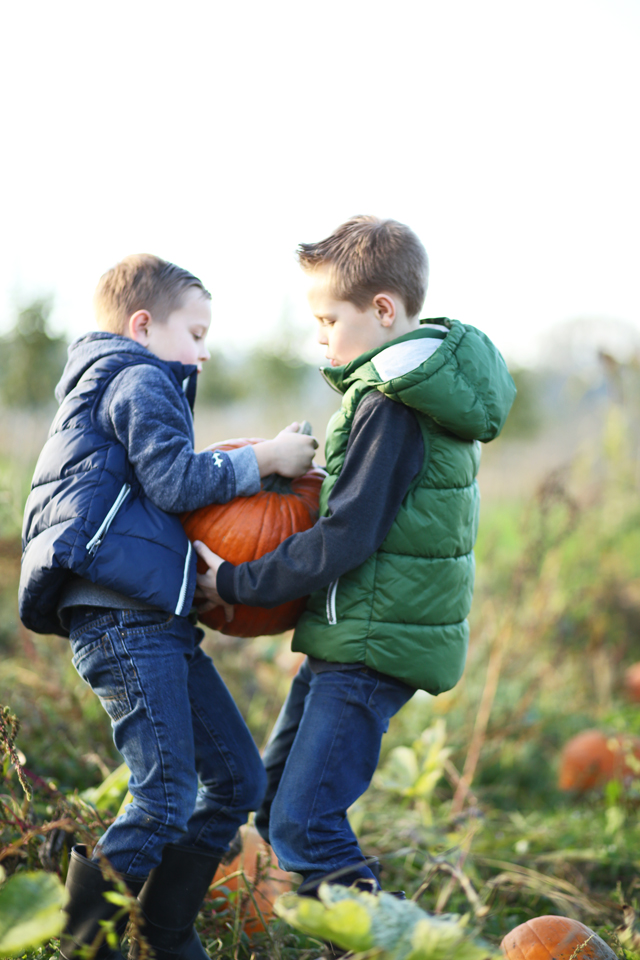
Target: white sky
pixel 219 135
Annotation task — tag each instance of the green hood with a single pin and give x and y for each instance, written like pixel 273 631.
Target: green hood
pixel 464 385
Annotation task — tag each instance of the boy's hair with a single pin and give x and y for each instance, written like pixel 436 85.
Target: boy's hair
pixel 141 282
pixel 366 256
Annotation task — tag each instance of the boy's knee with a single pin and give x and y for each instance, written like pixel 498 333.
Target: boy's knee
pixel 255 787
pixel 250 781
pixel 169 807
pixel 243 789
pixel 287 830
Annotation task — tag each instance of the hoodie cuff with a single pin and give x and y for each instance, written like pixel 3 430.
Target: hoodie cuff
pixel 224 582
pixel 245 468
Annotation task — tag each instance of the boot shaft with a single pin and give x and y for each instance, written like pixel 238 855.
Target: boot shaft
pixel 174 891
pixel 171 899
pixel 87 906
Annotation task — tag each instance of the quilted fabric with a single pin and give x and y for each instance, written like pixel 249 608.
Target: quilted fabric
pixel 403 611
pixel 84 485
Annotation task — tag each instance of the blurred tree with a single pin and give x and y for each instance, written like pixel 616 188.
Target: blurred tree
pixel 270 374
pixel 526 415
pixel 31 359
pixel 258 374
pixel 221 381
pixel 276 375
pixel 278 371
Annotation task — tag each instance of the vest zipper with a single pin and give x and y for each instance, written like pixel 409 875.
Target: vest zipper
pixel 98 537
pixel 185 580
pixel 331 602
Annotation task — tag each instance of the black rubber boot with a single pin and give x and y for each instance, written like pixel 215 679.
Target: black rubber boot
pixel 87 906
pixel 171 899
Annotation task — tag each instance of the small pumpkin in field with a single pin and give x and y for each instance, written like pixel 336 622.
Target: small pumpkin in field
pixel 555 938
pixel 257 861
pixel 248 527
pixel 592 758
pixel 632 682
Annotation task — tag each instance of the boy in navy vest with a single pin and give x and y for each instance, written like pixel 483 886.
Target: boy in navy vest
pixel 107 563
pixel 389 566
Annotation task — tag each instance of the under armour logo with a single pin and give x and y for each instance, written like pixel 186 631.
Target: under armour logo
pixel 217 459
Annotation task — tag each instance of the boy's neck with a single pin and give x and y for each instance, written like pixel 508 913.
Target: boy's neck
pixel 401 326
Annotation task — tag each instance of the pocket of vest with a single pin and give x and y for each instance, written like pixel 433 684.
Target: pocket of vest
pixel 99 535
pixel 331 602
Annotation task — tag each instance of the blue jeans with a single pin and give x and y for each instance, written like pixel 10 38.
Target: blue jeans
pixel 175 723
pixel 320 758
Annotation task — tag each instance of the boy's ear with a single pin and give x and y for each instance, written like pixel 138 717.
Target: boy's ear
pixel 385 307
pixel 138 326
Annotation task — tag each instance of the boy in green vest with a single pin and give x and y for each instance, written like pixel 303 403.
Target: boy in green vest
pixel 389 565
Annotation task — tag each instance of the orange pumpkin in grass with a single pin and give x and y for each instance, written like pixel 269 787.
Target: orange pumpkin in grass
pixel 555 938
pixel 248 527
pixel 592 758
pixel 632 682
pixel 255 859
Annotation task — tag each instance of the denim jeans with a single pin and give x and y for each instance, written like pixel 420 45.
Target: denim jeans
pixel 320 758
pixel 175 723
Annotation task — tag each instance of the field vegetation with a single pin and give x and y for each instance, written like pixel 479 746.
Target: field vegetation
pixel 465 813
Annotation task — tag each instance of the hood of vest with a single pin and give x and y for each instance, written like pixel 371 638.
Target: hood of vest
pixel 91 347
pixel 447 370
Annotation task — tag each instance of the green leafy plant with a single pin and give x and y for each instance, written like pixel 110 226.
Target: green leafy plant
pixel 395 929
pixel 413 772
pixel 30 910
pixel 31 901
pixel 109 794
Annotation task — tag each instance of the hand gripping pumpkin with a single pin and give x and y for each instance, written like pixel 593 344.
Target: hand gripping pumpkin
pixel 554 938
pixel 248 527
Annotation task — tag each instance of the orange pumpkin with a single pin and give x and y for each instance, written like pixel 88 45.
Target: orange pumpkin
pixel 632 682
pixel 248 527
pixel 255 859
pixel 592 758
pixel 555 938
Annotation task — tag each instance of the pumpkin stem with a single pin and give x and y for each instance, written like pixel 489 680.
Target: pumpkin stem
pixel 274 483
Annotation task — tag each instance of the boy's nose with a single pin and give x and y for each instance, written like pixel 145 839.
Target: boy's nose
pixel 205 353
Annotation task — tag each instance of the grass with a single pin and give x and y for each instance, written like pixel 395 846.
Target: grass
pixel 465 813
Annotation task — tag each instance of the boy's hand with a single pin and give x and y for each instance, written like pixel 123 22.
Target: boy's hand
pixel 207 582
pixel 290 453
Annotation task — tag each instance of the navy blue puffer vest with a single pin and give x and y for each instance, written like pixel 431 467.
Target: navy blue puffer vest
pixel 88 515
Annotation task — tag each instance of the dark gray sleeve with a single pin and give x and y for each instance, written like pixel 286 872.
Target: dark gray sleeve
pixel 139 409
pixel 384 454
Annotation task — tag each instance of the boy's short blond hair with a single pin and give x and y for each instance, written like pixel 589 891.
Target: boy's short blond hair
pixel 141 282
pixel 367 256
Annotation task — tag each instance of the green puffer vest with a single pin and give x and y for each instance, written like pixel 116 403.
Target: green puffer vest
pixel 403 611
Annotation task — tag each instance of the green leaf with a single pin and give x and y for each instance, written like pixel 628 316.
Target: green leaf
pixel 400 771
pixel 119 899
pixel 398 929
pixel 30 911
pixel 347 922
pixel 109 794
pixel 436 939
